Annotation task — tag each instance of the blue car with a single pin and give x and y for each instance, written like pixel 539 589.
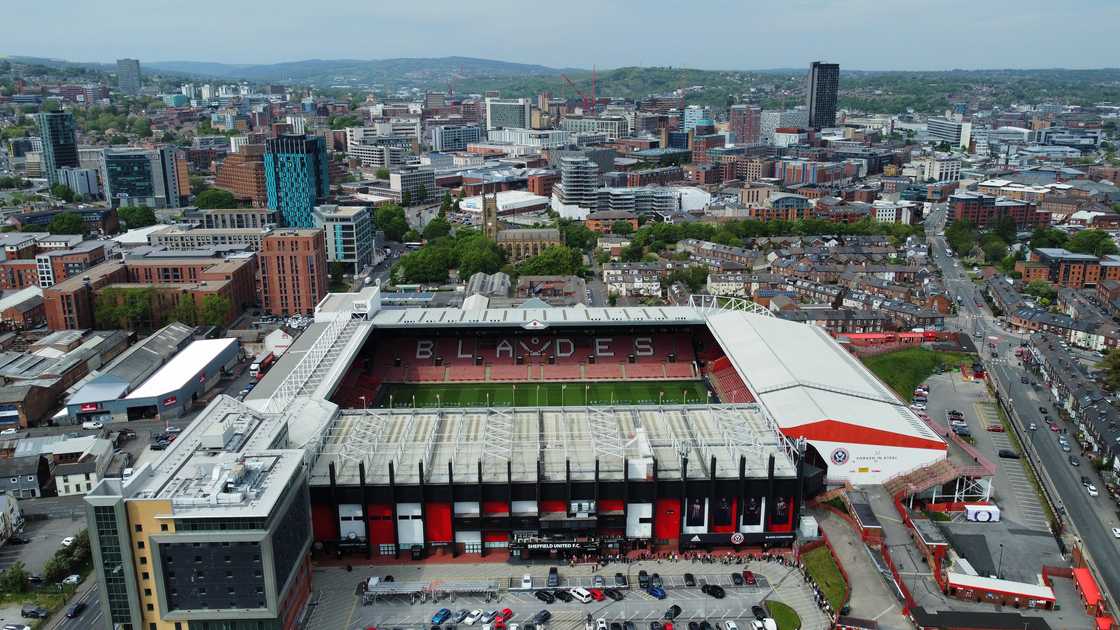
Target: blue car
pixel 442 615
pixel 656 591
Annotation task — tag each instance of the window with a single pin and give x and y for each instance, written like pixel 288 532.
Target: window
pixel 143 560
pixel 145 575
pixel 163 527
pixel 140 544
pixel 150 607
pixel 31 478
pixel 15 479
pixel 147 592
pixel 139 528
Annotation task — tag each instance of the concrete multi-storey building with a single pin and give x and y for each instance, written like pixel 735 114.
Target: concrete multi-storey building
pixel 82 181
pixel 296 177
pixel 542 138
pixel 579 178
pixel 186 237
pixel 293 266
pixel 824 83
pixel 506 112
pixel 128 76
pixel 58 133
pixel 216 532
pixel 413 183
pixel 349 235
pixel 144 177
pixel 939 169
pixel 773 120
pixel 453 137
pixel 957 133
pixel 614 126
pixel 228 217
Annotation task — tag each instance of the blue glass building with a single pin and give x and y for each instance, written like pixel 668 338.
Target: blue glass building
pixel 296 177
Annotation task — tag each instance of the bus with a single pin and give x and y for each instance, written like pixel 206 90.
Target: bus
pixel 413 245
pixel 261 364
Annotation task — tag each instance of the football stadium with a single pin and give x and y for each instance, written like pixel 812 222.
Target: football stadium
pixel 557 431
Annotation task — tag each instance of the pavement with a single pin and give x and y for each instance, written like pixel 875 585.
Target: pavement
pixel 338 606
pixel 872 598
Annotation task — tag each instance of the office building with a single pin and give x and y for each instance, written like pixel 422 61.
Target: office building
pixel 453 137
pixel 745 122
pixel 242 174
pixel 224 218
pixel 957 133
pixel 579 178
pixel 296 177
pixel 380 151
pixel 144 177
pixel 293 266
pixel 824 82
pixel 413 184
pixel 216 533
pixel 349 235
pixel 773 120
pixel 541 138
pixel 614 126
pixel 58 132
pixel 692 115
pixel 128 76
pixel 507 112
pixel 933 169
pixel 82 181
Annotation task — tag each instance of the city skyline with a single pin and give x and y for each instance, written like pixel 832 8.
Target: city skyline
pixel 738 37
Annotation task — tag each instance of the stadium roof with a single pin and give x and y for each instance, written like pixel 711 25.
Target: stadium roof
pixel 530 318
pixel 805 379
pixel 554 436
pixel 185 366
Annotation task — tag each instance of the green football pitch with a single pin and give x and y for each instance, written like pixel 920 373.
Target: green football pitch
pixel 542 394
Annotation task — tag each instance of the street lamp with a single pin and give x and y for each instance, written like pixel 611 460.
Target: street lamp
pixel 363 402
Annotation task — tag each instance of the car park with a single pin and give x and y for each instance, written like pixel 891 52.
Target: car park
pixel 472 617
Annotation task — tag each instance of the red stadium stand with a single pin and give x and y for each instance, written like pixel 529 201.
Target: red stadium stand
pixel 569 372
pixel 466 373
pixel 509 373
pixel 603 371
pixel 654 371
pixel 727 383
pixel 425 374
pixel 679 370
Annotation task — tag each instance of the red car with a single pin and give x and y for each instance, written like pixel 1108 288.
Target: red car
pixel 596 594
pixel 748 577
pixel 995 428
pixel 1054 428
pixel 506 614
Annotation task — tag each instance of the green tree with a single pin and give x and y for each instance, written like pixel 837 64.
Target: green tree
pixel 1110 365
pixel 446 205
pixel 137 216
pixel 391 221
pixel 215 310
pixel 632 252
pixel 994 250
pixel 406 199
pixel 1095 242
pixel 186 311
pixel 1048 237
pixel 198 184
pixel 141 127
pixel 558 260
pixel 56 568
pixel 1005 228
pixel 66 223
pixel 429 264
pixel 215 198
pixel 695 277
pixel 338 274
pixel 577 235
pixel 962 237
pixel 622 227
pixel 63 192
pixel 436 228
pixel 1041 289
pixel 344 121
pixel 382 173
pixel 14 579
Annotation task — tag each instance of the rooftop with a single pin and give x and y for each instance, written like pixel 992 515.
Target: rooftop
pixel 183 367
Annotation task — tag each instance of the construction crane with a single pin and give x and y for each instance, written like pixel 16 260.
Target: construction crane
pixel 586 101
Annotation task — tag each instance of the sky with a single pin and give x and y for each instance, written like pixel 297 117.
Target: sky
pixel 716 34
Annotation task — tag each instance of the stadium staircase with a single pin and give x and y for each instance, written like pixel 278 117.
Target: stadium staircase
pixel 922 478
pixel 329 358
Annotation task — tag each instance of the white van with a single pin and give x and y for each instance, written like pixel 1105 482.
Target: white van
pixel 527 581
pixel 581 594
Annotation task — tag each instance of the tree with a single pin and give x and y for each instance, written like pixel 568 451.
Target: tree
pixel 632 252
pixel 485 258
pixel 1041 289
pixel 186 311
pixel 215 198
pixel 1095 242
pixel 446 205
pixel 66 223
pixel 622 227
pixel 382 173
pixel 1048 237
pixel 344 121
pixel 558 260
pixel 215 310
pixel 338 273
pixel 406 199
pixel 63 192
pixel 429 264
pixel 137 216
pixel 141 127
pixel 391 221
pixel 1110 364
pixel 436 228
pixel 696 277
pixel 14 579
pixel 198 184
pixel 577 235
pixel 962 237
pixel 1005 228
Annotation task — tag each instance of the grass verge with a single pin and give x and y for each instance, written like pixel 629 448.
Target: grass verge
pixel 784 615
pixel 904 370
pixel 822 568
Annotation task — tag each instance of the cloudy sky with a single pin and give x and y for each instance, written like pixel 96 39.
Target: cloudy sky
pixel 716 34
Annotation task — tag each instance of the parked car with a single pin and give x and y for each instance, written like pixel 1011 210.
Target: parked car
pixel 655 625
pixel 1092 490
pixel 1116 532
pixel 1007 453
pixel 1085 481
pixel 673 612
pixel 18 540
pixel 643 579
pixel 1074 461
pixel 1043 410
pixel 545 596
pixel 174 430
pixel 758 612
pixel 614 594
pixel 619 579
pixel 72 580
pixel 564 596
pixel 737 578
pixel 596 594
pixel 442 615
pixel 749 578
pixel 461 614
pixel 31 611
pixel 541 617
pixel 69 540
pixel 473 617
pixel 489 616
pixel 656 592
pixel 553 577
pixel 655 580
pixel 713 590
pixel 598 581
pixel 92 425
pixel 1032 426
pixel 600 624
pixel 689 579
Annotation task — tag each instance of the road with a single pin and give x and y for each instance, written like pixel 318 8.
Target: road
pixel 1091 517
pixel 91 617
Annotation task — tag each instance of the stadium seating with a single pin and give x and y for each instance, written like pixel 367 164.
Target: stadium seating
pixel 679 370
pixel 509 373
pixel 727 383
pixel 565 372
pixel 649 371
pixel 603 371
pixel 466 373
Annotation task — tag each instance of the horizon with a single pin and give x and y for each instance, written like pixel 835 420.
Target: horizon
pixel 857 34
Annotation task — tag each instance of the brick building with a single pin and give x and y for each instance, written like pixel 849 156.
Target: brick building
pixel 293 267
pixel 603 221
pixel 984 210
pixel 242 174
